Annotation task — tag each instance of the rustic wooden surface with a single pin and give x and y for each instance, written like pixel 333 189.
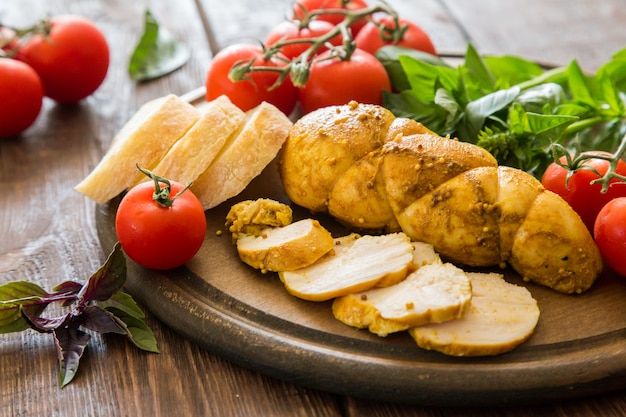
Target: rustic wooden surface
pixel 48 232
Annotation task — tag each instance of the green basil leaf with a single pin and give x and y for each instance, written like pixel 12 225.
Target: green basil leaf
pixel 478 71
pixel 578 85
pixel 389 56
pixel 14 296
pixel 511 70
pixel 478 110
pixel 157 52
pixel 123 302
pixel 137 331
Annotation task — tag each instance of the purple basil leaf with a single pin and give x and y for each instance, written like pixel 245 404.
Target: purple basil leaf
pixel 107 280
pixel 96 319
pixel 70 343
pixel 68 287
pixel 43 324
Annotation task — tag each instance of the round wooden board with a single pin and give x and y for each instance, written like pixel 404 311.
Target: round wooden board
pixel 578 348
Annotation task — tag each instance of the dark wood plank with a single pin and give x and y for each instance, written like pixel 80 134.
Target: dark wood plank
pixel 48 235
pixel 554 31
pixel 48 232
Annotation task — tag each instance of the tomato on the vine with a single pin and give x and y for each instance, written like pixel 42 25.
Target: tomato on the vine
pixel 158 236
pixel 71 57
pixel 335 82
pixel 21 97
pixel 610 234
pixel 9 42
pixel 371 40
pixel 290 31
pixel 257 86
pixel 301 7
pixel 585 198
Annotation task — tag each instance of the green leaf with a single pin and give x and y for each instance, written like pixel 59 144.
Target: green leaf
pixel 123 302
pixel 14 296
pixel 425 78
pixel 578 85
pixel 478 71
pixel 610 94
pixel 477 111
pixel 389 56
pixel 137 331
pixel 512 70
pixel 157 52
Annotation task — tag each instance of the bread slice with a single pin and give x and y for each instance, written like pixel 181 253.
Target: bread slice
pixel 196 150
pixel 286 248
pixel 244 156
pixel 356 264
pixel 500 317
pixel 434 293
pixel 143 140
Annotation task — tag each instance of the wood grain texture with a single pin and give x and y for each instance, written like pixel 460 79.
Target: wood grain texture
pixel 48 230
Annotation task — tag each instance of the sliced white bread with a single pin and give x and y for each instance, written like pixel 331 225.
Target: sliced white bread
pixel 244 156
pixel 143 140
pixel 286 248
pixel 195 151
pixel 500 317
pixel 354 265
pixel 434 293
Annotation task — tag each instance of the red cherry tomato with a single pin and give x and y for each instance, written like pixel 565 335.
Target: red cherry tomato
pixel 21 96
pixel 335 82
pixel 160 237
pixel 306 6
pixel 585 198
pixel 290 31
pixel 414 37
pixel 247 94
pixel 610 234
pixel 72 60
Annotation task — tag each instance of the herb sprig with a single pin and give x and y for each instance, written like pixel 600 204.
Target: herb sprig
pixel 98 305
pixel 514 108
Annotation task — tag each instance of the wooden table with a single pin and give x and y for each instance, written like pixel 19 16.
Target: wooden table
pixel 48 233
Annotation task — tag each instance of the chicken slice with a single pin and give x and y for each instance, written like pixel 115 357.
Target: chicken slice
pixel 356 264
pixel 286 248
pixel 434 293
pixel 500 317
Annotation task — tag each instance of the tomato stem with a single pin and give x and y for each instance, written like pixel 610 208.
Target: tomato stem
pixel 299 68
pixel 162 195
pixel 576 162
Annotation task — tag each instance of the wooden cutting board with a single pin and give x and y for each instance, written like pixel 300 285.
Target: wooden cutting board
pixel 578 348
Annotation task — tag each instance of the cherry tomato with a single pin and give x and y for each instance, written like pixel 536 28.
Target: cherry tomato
pixel 160 237
pixel 335 82
pixel 414 37
pixel 72 60
pixel 610 234
pixel 21 96
pixel 289 31
pixel 335 18
pixel 585 198
pixel 249 93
